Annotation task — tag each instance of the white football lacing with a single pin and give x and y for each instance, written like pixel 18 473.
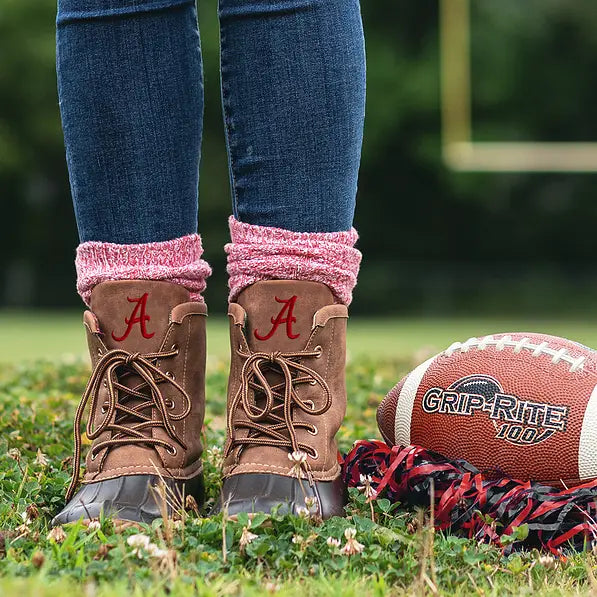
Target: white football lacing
pixel 558 355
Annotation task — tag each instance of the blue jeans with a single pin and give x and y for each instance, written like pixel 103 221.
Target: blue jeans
pixel 131 98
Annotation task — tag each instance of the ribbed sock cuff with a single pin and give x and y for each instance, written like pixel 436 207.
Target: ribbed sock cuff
pixel 177 261
pixel 259 253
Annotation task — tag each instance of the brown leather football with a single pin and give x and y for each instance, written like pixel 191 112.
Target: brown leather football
pixel 520 405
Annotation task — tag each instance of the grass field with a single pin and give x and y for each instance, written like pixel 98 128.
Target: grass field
pixel 30 336
pixel 204 556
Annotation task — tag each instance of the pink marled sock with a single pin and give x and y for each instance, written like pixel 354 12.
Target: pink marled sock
pixel 262 253
pixel 178 261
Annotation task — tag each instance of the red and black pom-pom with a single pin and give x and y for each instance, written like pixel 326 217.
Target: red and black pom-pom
pixel 468 503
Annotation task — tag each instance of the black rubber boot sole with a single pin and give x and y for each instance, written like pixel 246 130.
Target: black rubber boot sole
pixel 265 492
pixel 134 498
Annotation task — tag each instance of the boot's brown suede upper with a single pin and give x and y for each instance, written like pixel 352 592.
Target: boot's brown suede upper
pixel 146 392
pixel 287 387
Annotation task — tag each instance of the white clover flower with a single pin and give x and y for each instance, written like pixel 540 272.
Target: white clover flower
pixel 57 535
pixel 214 455
pixel 299 462
pixel 246 538
pixel 298 457
pixel 547 561
pixel 23 530
pixel 94 525
pixel 32 511
pixel 138 540
pixel 157 552
pixel 139 543
pixel 333 542
pixel 41 458
pixel 352 546
pixel 366 488
pixel 311 503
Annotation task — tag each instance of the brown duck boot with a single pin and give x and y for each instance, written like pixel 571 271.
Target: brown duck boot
pixel 147 399
pixel 286 400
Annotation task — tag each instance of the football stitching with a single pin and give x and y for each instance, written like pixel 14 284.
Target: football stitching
pixel 558 355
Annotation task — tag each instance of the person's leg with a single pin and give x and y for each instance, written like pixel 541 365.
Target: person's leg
pixel 293 91
pixel 131 100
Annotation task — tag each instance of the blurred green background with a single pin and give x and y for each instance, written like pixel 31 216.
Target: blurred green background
pixel 436 243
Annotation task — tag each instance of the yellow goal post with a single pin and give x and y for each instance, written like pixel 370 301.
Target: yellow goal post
pixel 459 150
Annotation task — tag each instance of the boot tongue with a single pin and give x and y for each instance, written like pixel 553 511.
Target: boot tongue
pixel 280 313
pixel 134 314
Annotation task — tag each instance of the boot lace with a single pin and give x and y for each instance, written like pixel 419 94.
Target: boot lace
pixel 270 420
pixel 131 423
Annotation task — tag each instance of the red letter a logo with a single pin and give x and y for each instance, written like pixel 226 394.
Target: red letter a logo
pixel 289 319
pixel 135 318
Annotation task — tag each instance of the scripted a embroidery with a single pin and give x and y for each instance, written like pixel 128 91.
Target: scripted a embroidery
pixel 284 316
pixel 141 304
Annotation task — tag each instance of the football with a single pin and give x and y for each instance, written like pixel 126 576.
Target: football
pixel 518 405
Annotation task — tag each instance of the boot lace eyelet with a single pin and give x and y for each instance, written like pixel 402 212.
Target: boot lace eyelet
pixel 170 375
pixel 174 347
pixel 313 382
pixel 93 457
pixel 171 450
pixel 104 409
pixel 169 403
pixel 315 455
pixel 318 349
pixel 100 352
pixel 313 431
pixel 310 403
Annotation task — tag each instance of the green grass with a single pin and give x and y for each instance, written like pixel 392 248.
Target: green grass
pixel 401 554
pixel 37 335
